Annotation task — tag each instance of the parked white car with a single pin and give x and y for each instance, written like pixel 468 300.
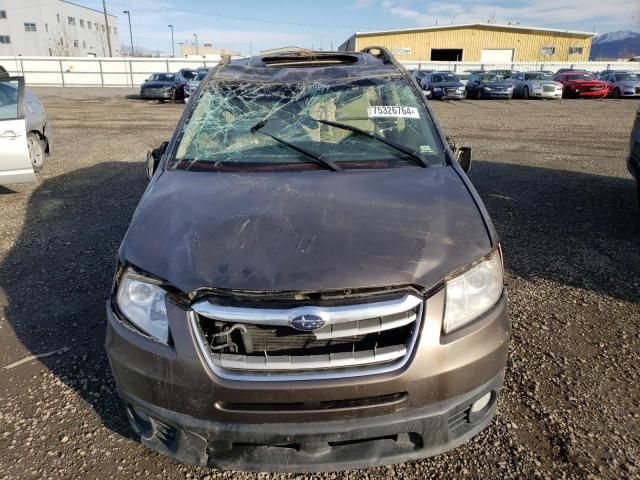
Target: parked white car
pixel 535 85
pixel 25 132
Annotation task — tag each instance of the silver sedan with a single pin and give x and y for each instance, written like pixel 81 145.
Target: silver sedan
pixel 535 85
pixel 622 84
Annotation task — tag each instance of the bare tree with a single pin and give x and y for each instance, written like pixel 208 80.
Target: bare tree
pixel 64 45
pixel 101 35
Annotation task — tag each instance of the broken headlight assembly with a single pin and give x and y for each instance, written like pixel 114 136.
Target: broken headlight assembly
pixel 473 292
pixel 142 302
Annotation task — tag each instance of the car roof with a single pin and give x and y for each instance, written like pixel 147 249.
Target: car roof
pixel 311 66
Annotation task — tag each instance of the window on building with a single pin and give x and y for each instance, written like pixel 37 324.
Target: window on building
pixel 547 51
pixel 109 29
pixel 115 30
pixel 76 43
pixel 46 27
pixel 89 25
pixel 58 16
pixel 576 50
pixel 71 20
pixel 29 27
pixel 102 27
pixel 3 14
pixel 84 44
pixel 5 39
pixel 81 23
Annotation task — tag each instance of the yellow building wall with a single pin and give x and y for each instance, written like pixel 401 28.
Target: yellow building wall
pixel 526 44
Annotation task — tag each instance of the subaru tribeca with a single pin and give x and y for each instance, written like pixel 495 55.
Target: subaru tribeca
pixel 310 282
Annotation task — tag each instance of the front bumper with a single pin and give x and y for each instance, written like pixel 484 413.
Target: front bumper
pixel 313 446
pixel 161 94
pixel 592 93
pixel 543 94
pixel 449 95
pixel 180 408
pixel 498 94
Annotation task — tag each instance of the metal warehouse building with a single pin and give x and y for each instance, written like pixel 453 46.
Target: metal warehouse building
pixel 478 42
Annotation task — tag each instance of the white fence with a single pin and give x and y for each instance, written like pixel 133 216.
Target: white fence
pixel 131 72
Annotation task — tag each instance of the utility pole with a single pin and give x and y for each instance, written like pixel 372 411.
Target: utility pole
pixel 173 45
pixel 195 35
pixel 106 25
pixel 130 32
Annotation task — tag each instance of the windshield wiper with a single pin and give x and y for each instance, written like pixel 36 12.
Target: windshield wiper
pixel 317 158
pixel 417 158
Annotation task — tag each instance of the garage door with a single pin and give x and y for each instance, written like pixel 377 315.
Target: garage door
pixel 496 55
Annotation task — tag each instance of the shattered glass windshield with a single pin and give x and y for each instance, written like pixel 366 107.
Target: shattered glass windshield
pixel 221 133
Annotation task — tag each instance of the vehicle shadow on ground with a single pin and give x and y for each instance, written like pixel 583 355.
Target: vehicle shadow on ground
pixel 57 277
pixel 569 227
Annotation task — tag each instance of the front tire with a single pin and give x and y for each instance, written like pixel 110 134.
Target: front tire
pixel 525 93
pixel 616 93
pixel 479 95
pixel 36 151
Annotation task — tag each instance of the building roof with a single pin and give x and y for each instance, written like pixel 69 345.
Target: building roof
pixel 481 25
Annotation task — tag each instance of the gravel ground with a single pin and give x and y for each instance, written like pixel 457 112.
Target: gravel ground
pixel 552 175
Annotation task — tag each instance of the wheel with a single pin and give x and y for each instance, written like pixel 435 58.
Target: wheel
pixel 525 93
pixel 616 93
pixel 479 95
pixel 36 151
pixel 173 95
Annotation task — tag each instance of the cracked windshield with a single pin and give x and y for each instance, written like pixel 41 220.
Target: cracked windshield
pixel 371 123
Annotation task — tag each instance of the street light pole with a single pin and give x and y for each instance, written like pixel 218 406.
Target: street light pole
pixel 130 32
pixel 106 25
pixel 173 45
pixel 195 35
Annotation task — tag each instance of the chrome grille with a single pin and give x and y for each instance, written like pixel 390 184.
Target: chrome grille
pixel 548 88
pixel 348 340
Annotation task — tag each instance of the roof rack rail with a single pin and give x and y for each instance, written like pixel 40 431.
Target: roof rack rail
pixel 384 53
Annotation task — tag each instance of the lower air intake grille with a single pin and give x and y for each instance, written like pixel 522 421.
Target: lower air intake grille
pixel 305 341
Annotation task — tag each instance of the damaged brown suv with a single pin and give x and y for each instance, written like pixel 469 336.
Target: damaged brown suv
pixel 310 281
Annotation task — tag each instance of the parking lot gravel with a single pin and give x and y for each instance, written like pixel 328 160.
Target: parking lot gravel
pixel 553 178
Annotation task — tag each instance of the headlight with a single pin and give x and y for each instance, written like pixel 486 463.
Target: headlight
pixel 487 88
pixel 437 89
pixel 461 89
pixel 473 292
pixel 143 303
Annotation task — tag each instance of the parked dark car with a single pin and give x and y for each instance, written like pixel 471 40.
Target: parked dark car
pixel 310 281
pixel 443 86
pixel 167 86
pixel 488 85
pixel 420 74
pixel 633 160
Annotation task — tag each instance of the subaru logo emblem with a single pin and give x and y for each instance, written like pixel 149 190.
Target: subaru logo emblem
pixel 307 322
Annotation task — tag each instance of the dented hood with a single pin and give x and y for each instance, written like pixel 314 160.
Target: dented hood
pixel 314 230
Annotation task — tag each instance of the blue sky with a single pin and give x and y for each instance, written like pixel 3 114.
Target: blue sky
pixel 246 24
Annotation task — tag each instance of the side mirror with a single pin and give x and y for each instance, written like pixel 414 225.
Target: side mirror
pixel 463 156
pixel 153 158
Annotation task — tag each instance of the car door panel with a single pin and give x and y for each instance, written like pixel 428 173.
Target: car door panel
pixel 15 164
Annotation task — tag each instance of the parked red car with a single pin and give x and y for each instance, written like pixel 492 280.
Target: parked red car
pixel 581 84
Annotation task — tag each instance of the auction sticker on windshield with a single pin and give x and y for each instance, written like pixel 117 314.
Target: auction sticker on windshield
pixel 390 111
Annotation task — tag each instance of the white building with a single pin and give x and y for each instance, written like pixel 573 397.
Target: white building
pixel 55 28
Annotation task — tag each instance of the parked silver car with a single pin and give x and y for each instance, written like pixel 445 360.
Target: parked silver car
pixel 192 85
pixel 535 85
pixel 25 132
pixel 623 84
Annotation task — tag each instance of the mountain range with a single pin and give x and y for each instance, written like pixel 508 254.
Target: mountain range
pixel 615 45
